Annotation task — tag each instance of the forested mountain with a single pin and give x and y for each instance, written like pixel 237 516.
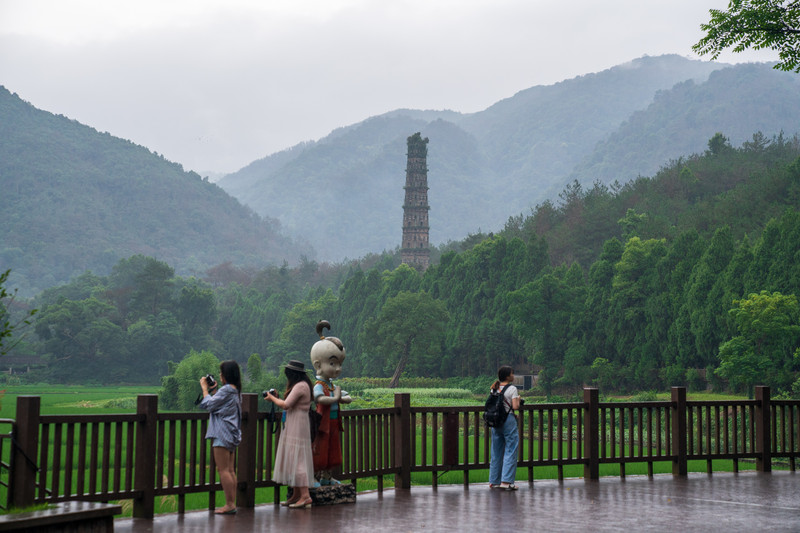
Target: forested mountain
pixel 627 288
pixel 74 199
pixel 521 151
pixel 737 101
pixel 690 276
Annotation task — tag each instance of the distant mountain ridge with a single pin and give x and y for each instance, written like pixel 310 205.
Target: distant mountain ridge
pixel 74 199
pixel 737 102
pixel 344 192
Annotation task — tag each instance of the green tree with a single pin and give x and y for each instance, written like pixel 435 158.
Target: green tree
pixel 605 373
pixel 152 343
pixel 409 331
pixel 140 286
pixel 769 336
pixel 595 320
pixel 774 266
pixel 254 368
pixel 8 324
pixel 196 313
pixel 82 341
pixel 180 388
pixel 634 285
pixel 153 287
pixel 704 298
pixel 674 273
pixel 631 222
pixel 542 313
pixel 756 24
pixel 718 144
pixel 297 335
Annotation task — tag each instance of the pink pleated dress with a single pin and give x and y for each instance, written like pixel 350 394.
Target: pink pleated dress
pixel 294 461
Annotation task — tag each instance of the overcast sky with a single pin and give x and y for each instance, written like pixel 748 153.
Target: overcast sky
pixel 215 85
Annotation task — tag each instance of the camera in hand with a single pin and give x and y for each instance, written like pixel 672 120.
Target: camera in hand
pixel 210 381
pixel 271 391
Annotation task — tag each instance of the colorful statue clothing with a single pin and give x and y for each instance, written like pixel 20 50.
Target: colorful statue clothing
pixel 327 356
pixel 327 446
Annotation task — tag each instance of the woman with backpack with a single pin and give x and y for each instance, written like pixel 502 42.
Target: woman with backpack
pixel 505 438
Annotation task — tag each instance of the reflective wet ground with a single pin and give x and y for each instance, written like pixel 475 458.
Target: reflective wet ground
pixel 747 501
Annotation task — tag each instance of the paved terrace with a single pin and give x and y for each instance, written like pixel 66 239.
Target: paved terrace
pixel 748 501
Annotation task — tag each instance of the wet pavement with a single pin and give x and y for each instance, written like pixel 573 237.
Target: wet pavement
pixel 746 501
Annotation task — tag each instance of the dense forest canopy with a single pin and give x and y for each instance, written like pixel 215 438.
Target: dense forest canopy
pixel 631 286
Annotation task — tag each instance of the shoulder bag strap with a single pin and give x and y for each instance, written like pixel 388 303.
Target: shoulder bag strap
pixel 503 393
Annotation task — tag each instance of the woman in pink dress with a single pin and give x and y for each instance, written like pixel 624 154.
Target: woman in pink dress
pixel 294 461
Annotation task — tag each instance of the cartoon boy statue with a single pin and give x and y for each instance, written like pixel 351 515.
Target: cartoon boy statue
pixel 327 356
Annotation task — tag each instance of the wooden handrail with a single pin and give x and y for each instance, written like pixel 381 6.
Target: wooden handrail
pixel 148 454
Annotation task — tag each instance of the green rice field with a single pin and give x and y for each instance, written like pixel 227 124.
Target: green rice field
pixel 74 399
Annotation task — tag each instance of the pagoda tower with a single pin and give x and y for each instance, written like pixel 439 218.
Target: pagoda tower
pixel 415 250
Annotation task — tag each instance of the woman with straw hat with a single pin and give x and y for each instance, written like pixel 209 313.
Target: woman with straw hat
pixel 294 463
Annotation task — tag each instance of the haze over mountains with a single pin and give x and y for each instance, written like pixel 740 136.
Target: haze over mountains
pixel 75 199
pixel 344 192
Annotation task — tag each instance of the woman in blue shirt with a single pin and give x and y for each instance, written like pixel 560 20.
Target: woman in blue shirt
pixel 224 427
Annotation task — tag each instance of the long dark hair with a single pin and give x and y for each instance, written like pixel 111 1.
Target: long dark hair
pixel 293 377
pixel 233 376
pixel 502 374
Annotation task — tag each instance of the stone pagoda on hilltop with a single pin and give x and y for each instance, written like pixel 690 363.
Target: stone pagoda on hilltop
pixel 415 250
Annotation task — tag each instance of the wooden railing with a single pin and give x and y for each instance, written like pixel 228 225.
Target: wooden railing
pixel 6 446
pixel 149 454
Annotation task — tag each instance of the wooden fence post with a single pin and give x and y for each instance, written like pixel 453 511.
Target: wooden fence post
pixel 24 453
pixel 680 465
pixel 246 463
pixel 450 438
pixel 144 479
pixel 591 434
pixel 763 430
pixel 402 440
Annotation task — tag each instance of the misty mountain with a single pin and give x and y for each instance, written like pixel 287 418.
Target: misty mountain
pixel 737 102
pixel 345 192
pixel 74 199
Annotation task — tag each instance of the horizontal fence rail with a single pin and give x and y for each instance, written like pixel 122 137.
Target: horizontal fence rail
pixel 145 455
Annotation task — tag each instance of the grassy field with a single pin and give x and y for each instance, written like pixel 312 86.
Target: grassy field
pixel 78 399
pixel 74 399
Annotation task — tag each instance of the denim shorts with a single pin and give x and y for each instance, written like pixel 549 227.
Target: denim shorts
pixel 217 443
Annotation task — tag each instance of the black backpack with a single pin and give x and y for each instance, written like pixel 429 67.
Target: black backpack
pixel 495 414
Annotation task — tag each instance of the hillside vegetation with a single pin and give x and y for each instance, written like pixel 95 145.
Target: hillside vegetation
pixel 613 125
pixel 628 287
pixel 737 101
pixel 74 199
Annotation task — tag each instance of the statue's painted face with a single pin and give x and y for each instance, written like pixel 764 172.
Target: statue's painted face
pixel 330 368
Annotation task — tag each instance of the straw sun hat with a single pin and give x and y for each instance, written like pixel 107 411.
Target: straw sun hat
pixel 295 365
